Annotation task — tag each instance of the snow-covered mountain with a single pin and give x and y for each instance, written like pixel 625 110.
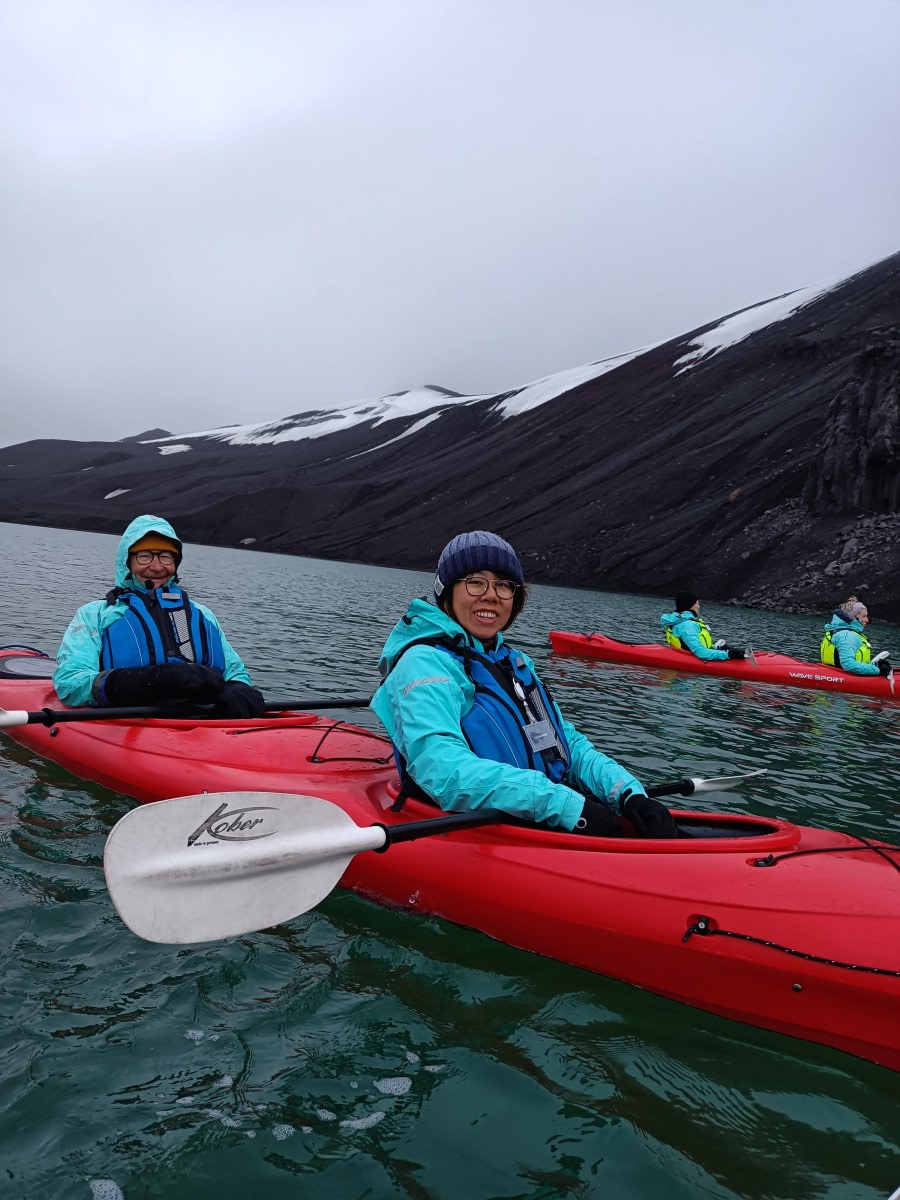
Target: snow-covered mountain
pixel 425 404
pixel 756 459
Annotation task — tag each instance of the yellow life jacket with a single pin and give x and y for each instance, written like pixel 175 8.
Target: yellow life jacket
pixel 828 650
pixel 703 632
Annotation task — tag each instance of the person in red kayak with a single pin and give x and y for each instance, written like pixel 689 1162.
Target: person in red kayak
pixel 845 644
pixel 684 630
pixel 147 643
pixel 473 726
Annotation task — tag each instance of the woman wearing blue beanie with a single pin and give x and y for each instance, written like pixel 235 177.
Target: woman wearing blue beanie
pixel 473 726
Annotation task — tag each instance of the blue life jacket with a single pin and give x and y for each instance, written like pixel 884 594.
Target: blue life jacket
pixel 161 626
pixel 512 720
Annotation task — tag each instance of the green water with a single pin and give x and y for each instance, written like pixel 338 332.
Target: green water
pixel 363 1053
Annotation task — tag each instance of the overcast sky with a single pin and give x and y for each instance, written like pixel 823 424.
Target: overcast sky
pixel 223 211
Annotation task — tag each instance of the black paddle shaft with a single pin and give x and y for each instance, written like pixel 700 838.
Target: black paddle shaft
pixel 57 716
pixel 420 829
pixel 675 787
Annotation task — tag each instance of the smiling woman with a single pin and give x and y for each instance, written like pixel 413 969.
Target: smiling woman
pixel 473 726
pixel 147 642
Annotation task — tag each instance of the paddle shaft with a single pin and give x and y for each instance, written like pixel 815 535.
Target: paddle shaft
pixel 447 824
pixel 675 787
pixel 57 716
pixel 420 829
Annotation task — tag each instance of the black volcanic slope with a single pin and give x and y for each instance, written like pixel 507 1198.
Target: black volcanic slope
pixel 767 473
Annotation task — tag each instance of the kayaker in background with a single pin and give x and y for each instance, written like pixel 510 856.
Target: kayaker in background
pixel 845 644
pixel 685 630
pixel 473 727
pixel 147 643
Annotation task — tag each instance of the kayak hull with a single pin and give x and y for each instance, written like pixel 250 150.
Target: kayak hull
pixel 781 926
pixel 770 668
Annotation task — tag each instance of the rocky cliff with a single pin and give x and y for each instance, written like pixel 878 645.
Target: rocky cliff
pixel 756 460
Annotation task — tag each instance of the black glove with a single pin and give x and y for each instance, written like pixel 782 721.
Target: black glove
pixel 733 653
pixel 154 685
pixel 884 666
pixel 649 818
pixel 240 700
pixel 598 820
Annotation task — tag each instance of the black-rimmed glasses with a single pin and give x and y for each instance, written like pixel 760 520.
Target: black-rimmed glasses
pixel 144 558
pixel 477 585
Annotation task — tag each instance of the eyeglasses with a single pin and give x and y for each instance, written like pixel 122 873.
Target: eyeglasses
pixel 477 585
pixel 144 558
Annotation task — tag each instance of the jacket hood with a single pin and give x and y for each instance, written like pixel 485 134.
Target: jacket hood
pixel 135 531
pixel 672 618
pixel 423 619
pixel 839 621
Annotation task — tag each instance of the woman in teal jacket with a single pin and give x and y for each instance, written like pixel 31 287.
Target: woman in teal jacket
pixel 472 725
pixel 147 642
pixel 845 644
pixel 684 630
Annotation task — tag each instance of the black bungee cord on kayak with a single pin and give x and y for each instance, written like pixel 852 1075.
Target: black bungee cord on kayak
pixel 314 757
pixel 329 729
pixel 772 860
pixel 704 926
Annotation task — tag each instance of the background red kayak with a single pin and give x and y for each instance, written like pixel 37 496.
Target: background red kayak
pixel 769 668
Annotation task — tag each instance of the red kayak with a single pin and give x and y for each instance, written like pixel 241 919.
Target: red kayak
pixel 778 925
pixel 768 668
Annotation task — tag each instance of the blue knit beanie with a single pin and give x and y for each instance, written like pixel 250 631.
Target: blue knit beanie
pixel 476 551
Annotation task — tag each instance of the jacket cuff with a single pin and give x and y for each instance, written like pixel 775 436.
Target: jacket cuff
pixel 98 689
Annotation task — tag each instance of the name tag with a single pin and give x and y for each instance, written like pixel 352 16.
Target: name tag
pixel 540 736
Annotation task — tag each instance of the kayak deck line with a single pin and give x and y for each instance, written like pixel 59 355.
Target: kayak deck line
pixel 767 666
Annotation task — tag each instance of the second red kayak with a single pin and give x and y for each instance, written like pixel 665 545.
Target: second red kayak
pixel 768 668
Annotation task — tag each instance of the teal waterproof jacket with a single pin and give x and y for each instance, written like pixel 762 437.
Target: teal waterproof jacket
pixel 421 702
pixel 684 626
pixel 78 657
pixel 847 637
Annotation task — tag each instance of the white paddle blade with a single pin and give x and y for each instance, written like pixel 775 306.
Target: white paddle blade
pixel 724 782
pixel 10 717
pixel 217 865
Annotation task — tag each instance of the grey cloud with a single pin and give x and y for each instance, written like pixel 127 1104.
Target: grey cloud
pixel 227 213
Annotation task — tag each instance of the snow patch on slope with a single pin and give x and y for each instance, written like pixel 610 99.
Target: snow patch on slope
pixel 734 329
pixel 321 422
pixel 403 405
pixel 534 394
pixel 414 428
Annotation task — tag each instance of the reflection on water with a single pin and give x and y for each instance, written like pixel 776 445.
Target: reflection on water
pixel 359 1052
